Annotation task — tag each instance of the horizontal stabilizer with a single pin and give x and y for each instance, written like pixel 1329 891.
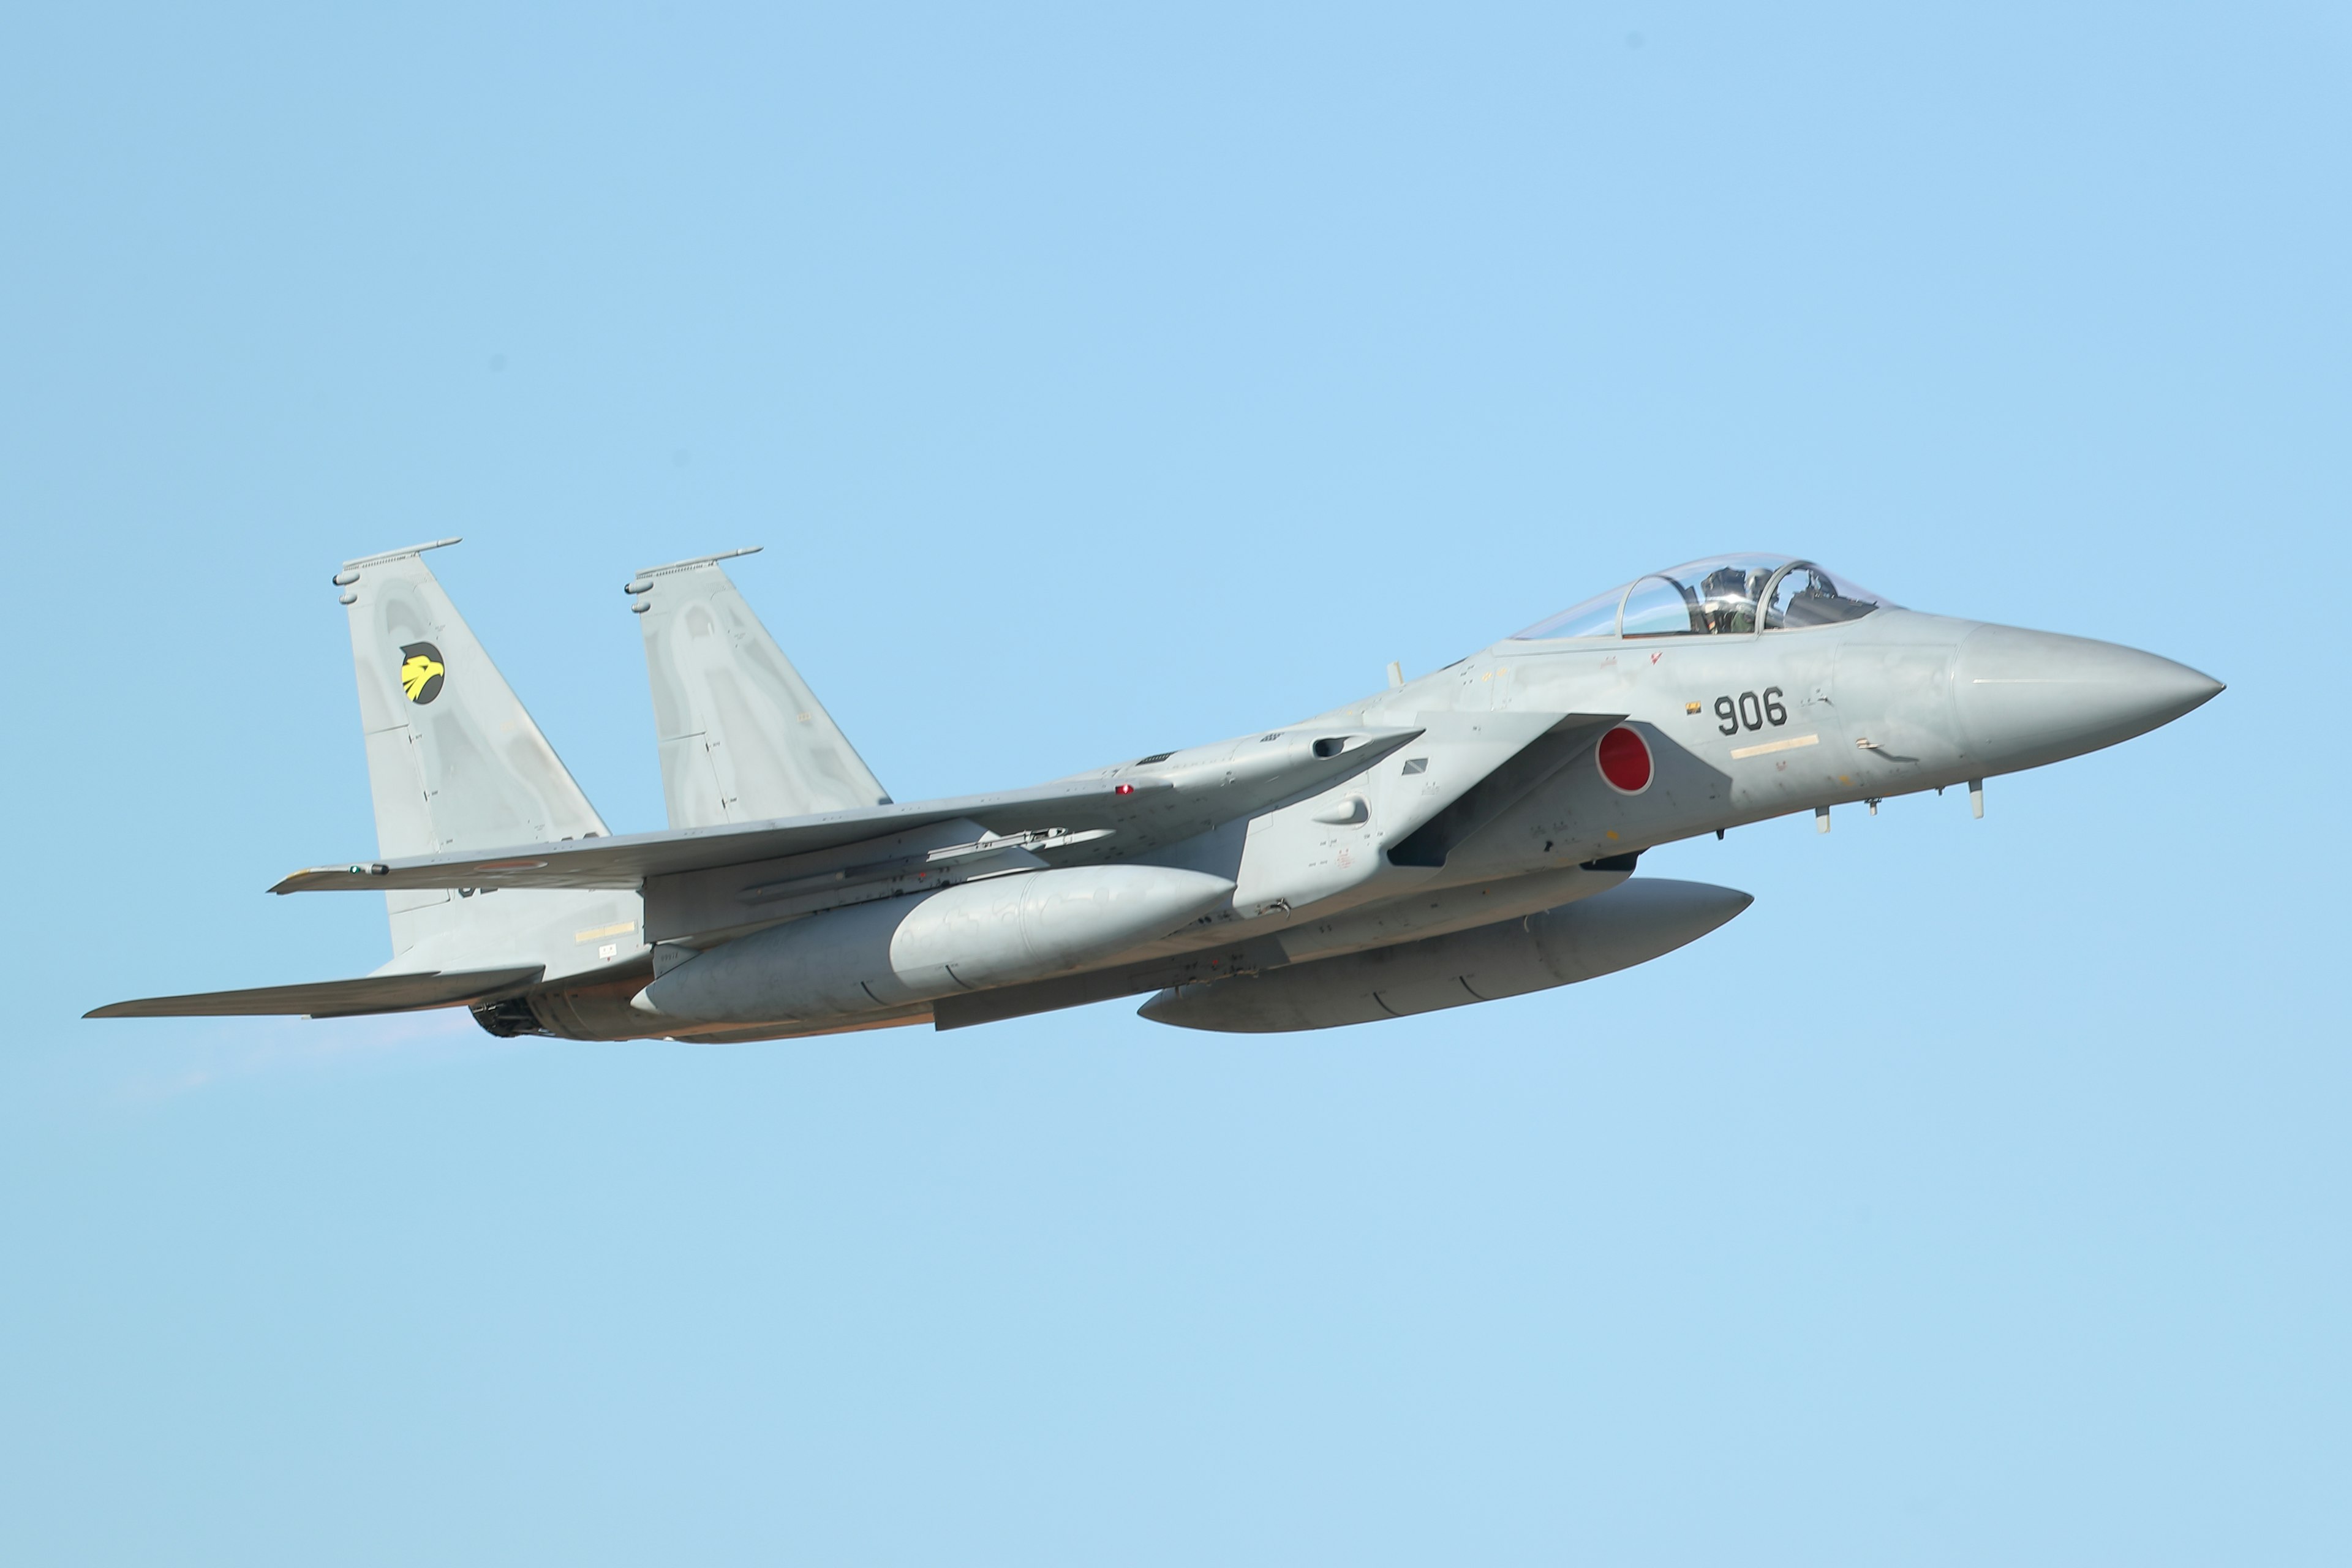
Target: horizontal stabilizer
pixel 332 998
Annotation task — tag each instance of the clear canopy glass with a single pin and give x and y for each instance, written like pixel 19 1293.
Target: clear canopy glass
pixel 1720 596
pixel 1806 595
pixel 1596 618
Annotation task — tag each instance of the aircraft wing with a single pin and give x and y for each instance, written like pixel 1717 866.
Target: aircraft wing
pixel 711 882
pixel 628 860
pixel 1132 808
pixel 333 998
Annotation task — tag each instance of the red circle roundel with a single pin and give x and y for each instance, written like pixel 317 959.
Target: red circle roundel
pixel 1625 761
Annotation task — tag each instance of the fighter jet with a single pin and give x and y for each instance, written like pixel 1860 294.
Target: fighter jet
pixel 1464 837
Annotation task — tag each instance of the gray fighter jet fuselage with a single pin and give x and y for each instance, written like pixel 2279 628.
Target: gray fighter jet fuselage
pixel 1462 836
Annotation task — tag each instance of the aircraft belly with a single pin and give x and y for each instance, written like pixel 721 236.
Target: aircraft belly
pixel 731 1035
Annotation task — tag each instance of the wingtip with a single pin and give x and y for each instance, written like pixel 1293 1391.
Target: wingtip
pixel 310 879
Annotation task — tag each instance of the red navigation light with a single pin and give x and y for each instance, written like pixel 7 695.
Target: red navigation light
pixel 1625 760
pixel 1124 789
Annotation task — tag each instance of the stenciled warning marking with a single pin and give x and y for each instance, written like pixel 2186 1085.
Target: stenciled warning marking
pixel 624 929
pixel 1791 744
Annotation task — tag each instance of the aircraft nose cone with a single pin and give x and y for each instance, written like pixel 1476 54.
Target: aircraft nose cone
pixel 2029 697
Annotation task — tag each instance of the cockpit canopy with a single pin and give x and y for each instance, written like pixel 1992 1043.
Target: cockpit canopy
pixel 1720 594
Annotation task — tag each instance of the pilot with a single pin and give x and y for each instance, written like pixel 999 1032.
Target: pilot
pixel 1727 596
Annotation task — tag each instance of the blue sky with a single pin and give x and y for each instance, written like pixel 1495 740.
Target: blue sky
pixel 1102 383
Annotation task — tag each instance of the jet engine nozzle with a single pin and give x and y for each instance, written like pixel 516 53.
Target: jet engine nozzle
pixel 2030 698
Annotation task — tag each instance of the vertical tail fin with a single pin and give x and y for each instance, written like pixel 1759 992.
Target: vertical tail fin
pixel 454 762
pixel 742 737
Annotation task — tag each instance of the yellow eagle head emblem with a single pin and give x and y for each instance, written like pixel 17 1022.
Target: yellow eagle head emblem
pixel 420 672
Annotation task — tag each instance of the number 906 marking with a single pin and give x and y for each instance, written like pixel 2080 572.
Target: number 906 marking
pixel 1751 711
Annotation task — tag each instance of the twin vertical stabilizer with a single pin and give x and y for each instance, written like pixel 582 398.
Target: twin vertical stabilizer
pixel 454 758
pixel 742 737
pixel 456 762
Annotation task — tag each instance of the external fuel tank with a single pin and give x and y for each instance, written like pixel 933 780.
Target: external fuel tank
pixel 1628 925
pixel 890 954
